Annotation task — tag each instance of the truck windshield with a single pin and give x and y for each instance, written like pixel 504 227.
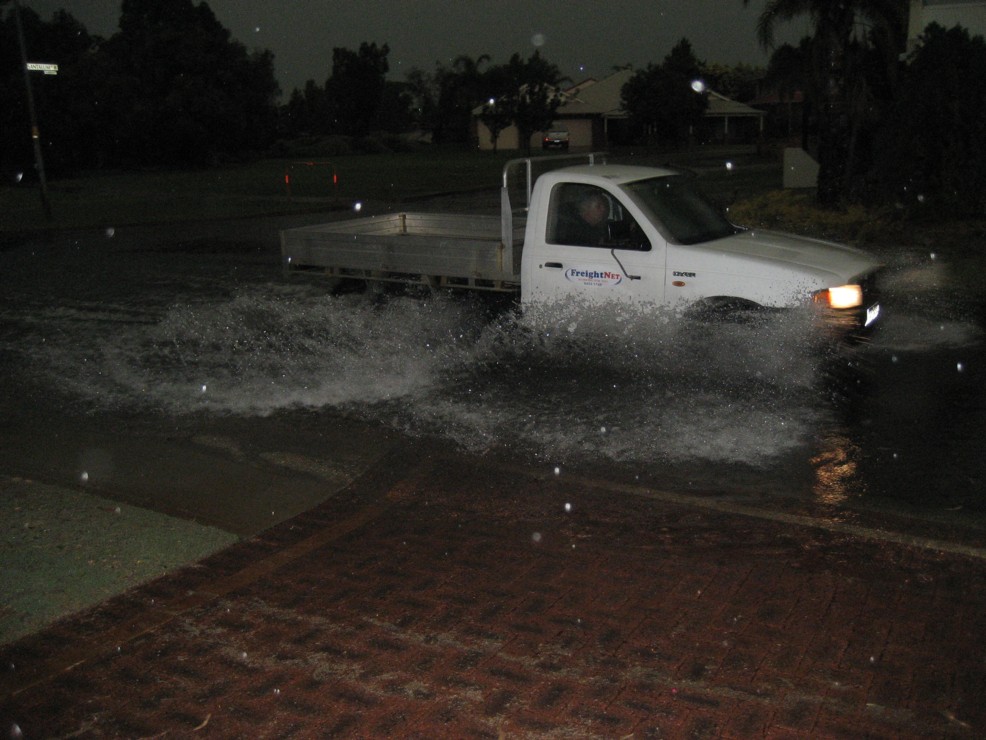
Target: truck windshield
pixel 678 206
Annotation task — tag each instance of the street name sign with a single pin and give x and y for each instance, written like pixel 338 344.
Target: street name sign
pixel 48 69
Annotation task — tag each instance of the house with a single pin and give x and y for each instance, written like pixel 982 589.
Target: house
pixel 784 113
pixel 729 121
pixel 970 14
pixel 592 113
pixel 588 111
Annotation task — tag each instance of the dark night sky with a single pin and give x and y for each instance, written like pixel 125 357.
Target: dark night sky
pixel 585 38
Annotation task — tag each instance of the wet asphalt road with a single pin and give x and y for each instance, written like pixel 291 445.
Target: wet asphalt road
pixel 904 433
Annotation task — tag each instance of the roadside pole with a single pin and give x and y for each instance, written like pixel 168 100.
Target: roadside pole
pixel 35 133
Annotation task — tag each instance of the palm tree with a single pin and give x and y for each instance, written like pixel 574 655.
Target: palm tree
pixel 844 32
pixel 786 75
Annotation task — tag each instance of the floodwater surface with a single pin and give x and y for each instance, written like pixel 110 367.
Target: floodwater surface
pixel 155 323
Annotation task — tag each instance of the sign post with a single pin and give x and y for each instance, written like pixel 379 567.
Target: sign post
pixel 35 133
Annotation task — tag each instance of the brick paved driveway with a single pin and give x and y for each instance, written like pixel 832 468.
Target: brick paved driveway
pixel 450 598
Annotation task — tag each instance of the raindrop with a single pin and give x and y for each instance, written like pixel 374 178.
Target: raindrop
pixel 557 470
pixel 536 537
pixel 960 367
pixel 84 477
pixel 602 430
pixel 357 206
pixel 698 86
pixel 568 507
pixel 729 166
pixel 538 39
pixel 110 232
pixel 15 731
pixel 204 387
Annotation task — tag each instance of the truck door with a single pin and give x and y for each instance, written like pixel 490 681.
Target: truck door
pixel 595 251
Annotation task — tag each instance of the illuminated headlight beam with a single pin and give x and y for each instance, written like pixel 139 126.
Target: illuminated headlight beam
pixel 842 296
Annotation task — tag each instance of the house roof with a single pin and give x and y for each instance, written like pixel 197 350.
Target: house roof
pixel 722 107
pixel 596 97
pixel 603 98
pixel 591 98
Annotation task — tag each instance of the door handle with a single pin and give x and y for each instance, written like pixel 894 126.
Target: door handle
pixel 557 265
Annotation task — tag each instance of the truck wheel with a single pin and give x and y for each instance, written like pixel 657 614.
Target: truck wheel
pixel 726 309
pixel 345 285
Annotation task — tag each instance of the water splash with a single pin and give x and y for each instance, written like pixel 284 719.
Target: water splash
pixel 664 388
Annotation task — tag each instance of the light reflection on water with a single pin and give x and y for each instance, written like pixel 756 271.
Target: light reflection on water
pixel 836 467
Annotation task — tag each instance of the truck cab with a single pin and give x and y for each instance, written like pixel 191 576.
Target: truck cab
pixel 614 233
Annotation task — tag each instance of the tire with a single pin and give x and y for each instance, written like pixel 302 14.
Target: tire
pixel 726 309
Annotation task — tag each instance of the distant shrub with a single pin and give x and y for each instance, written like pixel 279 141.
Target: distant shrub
pixel 313 146
pixel 798 212
pixel 370 145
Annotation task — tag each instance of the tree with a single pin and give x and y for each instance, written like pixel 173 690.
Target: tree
pixel 497 114
pixel 422 93
pixel 307 111
pixel 461 88
pixel 535 84
pixel 739 82
pixel 788 74
pixel 172 87
pixel 394 113
pixel 354 92
pixel 934 155
pixel 843 32
pixel 63 102
pixel 663 104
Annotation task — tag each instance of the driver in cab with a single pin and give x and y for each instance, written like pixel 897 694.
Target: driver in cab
pixel 588 227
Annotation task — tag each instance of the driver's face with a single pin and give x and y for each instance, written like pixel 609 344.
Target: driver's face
pixel 594 211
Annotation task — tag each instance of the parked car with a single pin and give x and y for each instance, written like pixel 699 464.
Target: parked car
pixel 555 139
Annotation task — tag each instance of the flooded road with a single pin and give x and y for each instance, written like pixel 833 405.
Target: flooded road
pixel 169 326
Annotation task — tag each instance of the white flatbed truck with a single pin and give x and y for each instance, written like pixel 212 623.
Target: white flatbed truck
pixel 658 243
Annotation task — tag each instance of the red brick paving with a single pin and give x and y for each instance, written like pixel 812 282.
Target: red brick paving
pixel 454 599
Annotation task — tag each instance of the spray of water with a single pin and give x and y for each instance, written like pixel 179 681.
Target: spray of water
pixel 566 384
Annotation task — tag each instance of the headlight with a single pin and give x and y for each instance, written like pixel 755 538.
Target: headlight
pixel 844 296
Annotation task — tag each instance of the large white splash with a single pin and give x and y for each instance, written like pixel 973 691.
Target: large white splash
pixel 624 386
